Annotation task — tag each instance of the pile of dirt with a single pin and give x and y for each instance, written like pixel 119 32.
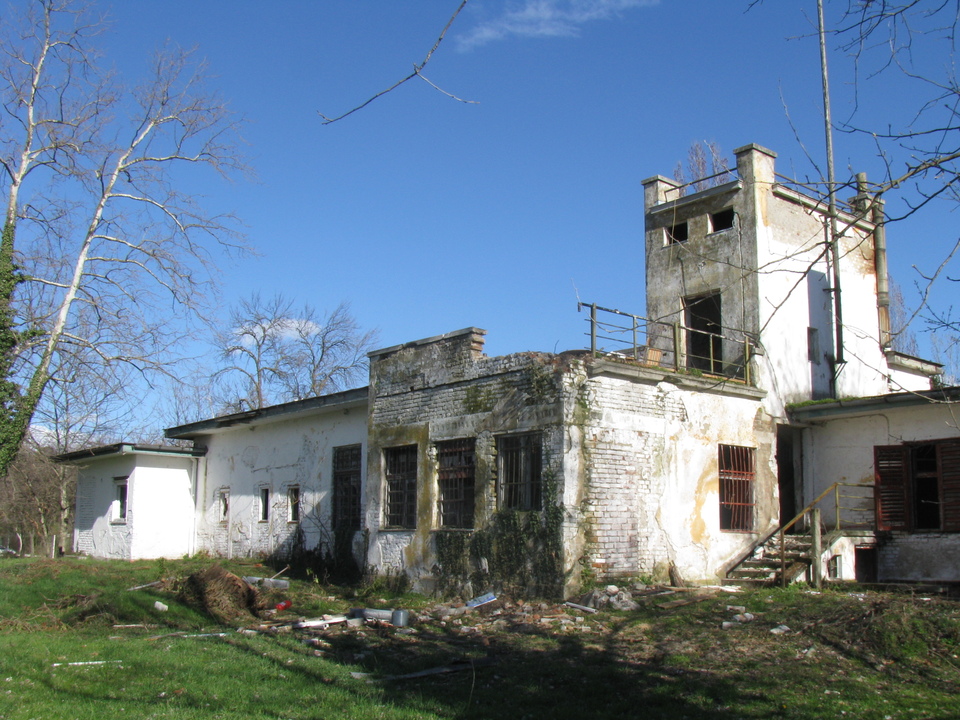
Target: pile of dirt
pixel 224 596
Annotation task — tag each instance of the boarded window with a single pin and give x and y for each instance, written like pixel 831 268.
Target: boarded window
pixel 293 504
pixel 519 470
pixel 455 480
pixel 737 471
pixel 401 467
pixel 918 486
pixel 346 488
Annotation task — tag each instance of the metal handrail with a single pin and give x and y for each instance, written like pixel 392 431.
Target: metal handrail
pixel 667 342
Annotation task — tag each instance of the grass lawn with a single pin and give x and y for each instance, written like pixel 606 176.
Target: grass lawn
pixel 848 654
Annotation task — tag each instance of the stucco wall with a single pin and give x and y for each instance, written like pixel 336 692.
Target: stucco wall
pixel 275 456
pixel 840 449
pixel 159 519
pixel 652 494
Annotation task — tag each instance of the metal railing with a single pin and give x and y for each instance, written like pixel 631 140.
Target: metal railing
pixel 846 517
pixel 672 346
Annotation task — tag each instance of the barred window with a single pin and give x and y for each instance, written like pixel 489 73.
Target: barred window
pixel 401 471
pixel 519 467
pixel 736 487
pixel 346 488
pixel 455 478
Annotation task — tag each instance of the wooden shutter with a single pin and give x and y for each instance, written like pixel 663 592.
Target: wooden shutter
pixel 949 456
pixel 891 468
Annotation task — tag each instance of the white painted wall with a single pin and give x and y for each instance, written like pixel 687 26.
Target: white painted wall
pixel 653 482
pixel 273 456
pixel 841 450
pixel 159 520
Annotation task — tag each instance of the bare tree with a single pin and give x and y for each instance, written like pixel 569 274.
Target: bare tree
pixel 275 352
pixel 95 223
pixel 706 166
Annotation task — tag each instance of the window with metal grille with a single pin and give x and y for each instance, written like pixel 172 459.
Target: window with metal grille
pixel 455 478
pixel 736 487
pixel 518 472
pixel 346 488
pixel 401 467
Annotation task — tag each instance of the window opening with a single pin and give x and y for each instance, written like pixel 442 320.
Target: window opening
pixel 223 503
pixel 456 460
pixel 401 464
pixel 918 486
pixel 346 488
pixel 704 341
pixel 678 233
pixel 264 504
pixel 519 464
pixel 722 220
pixel 926 488
pixel 736 465
pixel 813 345
pixel 120 499
pixel 293 504
pixel 835 567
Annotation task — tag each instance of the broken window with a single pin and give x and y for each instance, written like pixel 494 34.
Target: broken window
pixel 455 480
pixel 918 486
pixel 704 333
pixel 223 505
pixel 346 488
pixel 293 504
pixel 401 467
pixel 264 504
pixel 722 220
pixel 678 233
pixel 736 465
pixel 519 466
pixel 120 499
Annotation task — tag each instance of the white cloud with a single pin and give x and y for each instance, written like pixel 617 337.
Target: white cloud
pixel 545 18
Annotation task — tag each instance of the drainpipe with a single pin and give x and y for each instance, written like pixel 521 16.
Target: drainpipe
pixel 883 281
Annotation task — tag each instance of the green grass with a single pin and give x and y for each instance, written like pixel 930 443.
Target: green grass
pixel 866 655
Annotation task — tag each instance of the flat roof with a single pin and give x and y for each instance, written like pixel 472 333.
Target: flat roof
pixel 867 405
pixel 273 413
pixel 122 448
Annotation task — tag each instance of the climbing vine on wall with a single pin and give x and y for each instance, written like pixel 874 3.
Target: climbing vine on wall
pixel 518 552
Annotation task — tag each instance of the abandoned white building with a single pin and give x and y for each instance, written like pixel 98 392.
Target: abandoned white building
pixel 762 378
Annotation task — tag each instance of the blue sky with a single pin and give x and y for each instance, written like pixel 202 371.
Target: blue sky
pixel 427 214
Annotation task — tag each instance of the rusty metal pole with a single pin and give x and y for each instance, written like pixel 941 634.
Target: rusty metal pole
pixel 676 346
pixel 593 329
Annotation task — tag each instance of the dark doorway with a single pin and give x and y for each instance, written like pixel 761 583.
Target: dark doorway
pixel 866 560
pixel 788 447
pixel 704 341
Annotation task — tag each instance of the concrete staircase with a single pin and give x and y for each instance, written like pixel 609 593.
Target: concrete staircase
pixel 762 567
